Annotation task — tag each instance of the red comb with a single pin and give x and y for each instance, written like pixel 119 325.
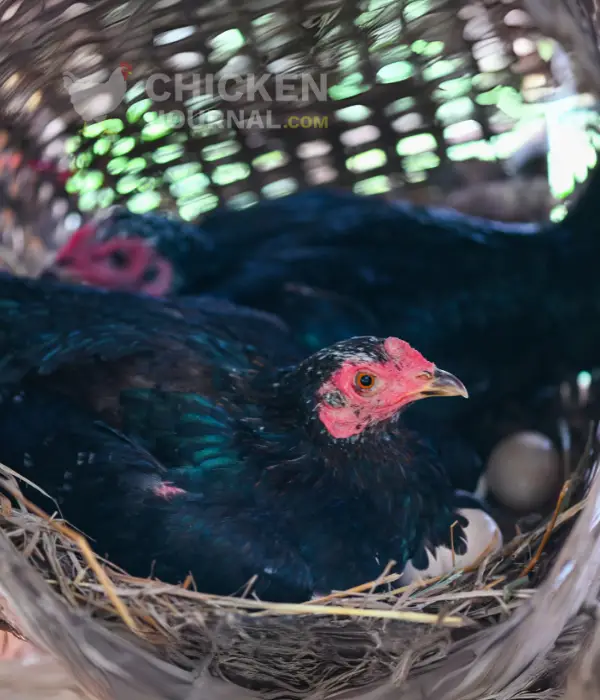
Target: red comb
pixel 80 238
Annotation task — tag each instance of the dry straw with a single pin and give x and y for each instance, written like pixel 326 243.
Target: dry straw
pixel 492 632
pixel 473 634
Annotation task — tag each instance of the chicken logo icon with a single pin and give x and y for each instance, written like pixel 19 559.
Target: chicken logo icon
pixel 94 101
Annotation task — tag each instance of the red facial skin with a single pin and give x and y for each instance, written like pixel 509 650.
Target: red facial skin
pixel 118 264
pixel 397 382
pixel 167 490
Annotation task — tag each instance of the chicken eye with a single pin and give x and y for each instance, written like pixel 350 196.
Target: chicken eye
pixel 118 259
pixel 364 381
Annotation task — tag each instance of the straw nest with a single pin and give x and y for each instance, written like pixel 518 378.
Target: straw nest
pixel 484 632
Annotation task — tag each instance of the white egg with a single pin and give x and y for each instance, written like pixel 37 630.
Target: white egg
pixel 483 536
pixel 523 471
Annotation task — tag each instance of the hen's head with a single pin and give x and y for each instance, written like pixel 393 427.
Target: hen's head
pixel 120 264
pixel 365 381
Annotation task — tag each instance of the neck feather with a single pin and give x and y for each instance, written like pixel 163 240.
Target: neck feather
pixel 384 463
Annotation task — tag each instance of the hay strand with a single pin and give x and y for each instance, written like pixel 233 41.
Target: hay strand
pixel 497 661
pixel 85 550
pixel 373 638
pixel 104 664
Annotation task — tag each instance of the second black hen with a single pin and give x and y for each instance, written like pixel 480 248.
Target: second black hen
pixel 171 440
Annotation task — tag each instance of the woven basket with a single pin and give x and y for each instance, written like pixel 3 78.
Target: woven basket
pixel 422 99
pixel 416 99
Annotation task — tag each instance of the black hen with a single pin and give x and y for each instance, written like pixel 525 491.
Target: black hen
pixel 169 440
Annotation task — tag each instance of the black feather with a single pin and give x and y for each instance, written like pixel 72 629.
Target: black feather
pixel 186 449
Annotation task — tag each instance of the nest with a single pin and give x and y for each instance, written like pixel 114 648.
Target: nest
pixel 510 626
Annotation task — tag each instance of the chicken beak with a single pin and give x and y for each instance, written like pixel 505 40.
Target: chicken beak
pixel 443 384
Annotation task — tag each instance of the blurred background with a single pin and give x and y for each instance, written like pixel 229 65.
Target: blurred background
pixel 469 104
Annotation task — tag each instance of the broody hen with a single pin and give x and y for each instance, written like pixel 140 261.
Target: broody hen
pixel 170 441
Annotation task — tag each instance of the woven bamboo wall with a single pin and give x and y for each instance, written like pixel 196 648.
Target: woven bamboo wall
pixel 412 89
